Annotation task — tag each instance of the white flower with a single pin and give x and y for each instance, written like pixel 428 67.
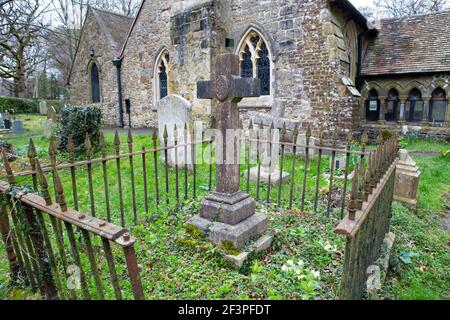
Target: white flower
pixel 284 268
pixel 316 274
pixel 290 263
pixel 298 271
pixel 301 263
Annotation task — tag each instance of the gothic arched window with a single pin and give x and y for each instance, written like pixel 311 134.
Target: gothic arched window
pixel 95 83
pixel 373 106
pixel 438 106
pixel 414 106
pixel 162 75
pixel 255 60
pixel 392 105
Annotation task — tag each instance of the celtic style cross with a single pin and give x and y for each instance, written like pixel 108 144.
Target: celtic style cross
pixel 227 89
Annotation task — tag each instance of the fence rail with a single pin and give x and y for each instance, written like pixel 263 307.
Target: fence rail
pixel 33 226
pixel 128 186
pixel 368 219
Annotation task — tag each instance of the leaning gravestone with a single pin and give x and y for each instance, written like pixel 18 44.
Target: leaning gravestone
pixel 175 110
pixel 43 107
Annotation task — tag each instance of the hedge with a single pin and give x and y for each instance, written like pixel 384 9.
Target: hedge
pixel 79 121
pixel 20 105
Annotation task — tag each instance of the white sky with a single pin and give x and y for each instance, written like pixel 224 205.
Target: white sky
pixel 362 3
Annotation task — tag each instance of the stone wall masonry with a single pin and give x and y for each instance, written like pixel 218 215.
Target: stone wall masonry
pixel 80 77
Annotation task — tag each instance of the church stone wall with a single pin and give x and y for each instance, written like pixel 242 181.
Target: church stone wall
pixel 307 71
pixel 80 76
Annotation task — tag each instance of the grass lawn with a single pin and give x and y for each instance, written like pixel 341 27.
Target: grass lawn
pixel 303 263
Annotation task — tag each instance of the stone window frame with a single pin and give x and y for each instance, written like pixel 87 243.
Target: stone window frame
pixel 262 101
pixel 160 58
pixel 393 98
pixel 91 63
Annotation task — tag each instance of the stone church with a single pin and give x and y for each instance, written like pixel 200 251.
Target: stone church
pixel 320 62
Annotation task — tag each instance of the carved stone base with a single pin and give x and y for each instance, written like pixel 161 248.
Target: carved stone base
pixel 238 234
pixel 228 209
pixel 264 176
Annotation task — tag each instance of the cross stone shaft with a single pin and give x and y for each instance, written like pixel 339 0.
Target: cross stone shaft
pixel 227 89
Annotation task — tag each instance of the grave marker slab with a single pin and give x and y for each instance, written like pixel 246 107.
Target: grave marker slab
pixel 175 110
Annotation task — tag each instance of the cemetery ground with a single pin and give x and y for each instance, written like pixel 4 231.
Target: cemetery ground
pixel 306 257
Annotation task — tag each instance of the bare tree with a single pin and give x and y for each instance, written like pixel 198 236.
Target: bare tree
pixel 368 12
pixel 401 8
pixel 22 26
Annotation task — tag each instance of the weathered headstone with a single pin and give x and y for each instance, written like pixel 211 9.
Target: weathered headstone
pixel 175 110
pixel 2 125
pixel 17 126
pixel 228 215
pixel 407 178
pixel 43 107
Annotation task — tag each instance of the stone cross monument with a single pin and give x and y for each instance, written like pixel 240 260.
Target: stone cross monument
pixel 228 215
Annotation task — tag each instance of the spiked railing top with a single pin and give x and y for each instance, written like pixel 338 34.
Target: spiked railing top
pixel 334 137
pixel 130 141
pixel 283 132
pixel 295 133
pixel 43 183
pixel 102 144
pixel 349 139
pixel 308 133
pixel 9 172
pixel 88 147
pixel 31 153
pixel 117 142
pixel 155 138
pixel 60 197
pixel 71 148
pixel 250 125
pixel 364 141
pixel 321 137
pixel 52 151
pixel 175 134
pixel 165 135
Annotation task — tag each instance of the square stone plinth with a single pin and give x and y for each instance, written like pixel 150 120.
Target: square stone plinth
pixel 264 176
pixel 238 234
pixel 228 209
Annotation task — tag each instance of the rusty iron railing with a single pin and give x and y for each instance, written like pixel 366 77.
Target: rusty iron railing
pixel 49 246
pixel 163 187
pixel 368 219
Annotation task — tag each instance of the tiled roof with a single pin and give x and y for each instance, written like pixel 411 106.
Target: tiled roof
pixel 114 26
pixel 415 44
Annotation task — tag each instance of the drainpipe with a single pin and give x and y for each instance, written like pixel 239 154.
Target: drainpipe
pixel 118 64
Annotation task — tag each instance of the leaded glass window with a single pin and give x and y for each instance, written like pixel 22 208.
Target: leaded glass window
pixel 255 61
pixel 247 64
pixel 414 106
pixel 438 106
pixel 95 83
pixel 264 70
pixel 162 74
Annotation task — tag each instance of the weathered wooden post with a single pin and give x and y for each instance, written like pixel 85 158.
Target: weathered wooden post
pixel 228 214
